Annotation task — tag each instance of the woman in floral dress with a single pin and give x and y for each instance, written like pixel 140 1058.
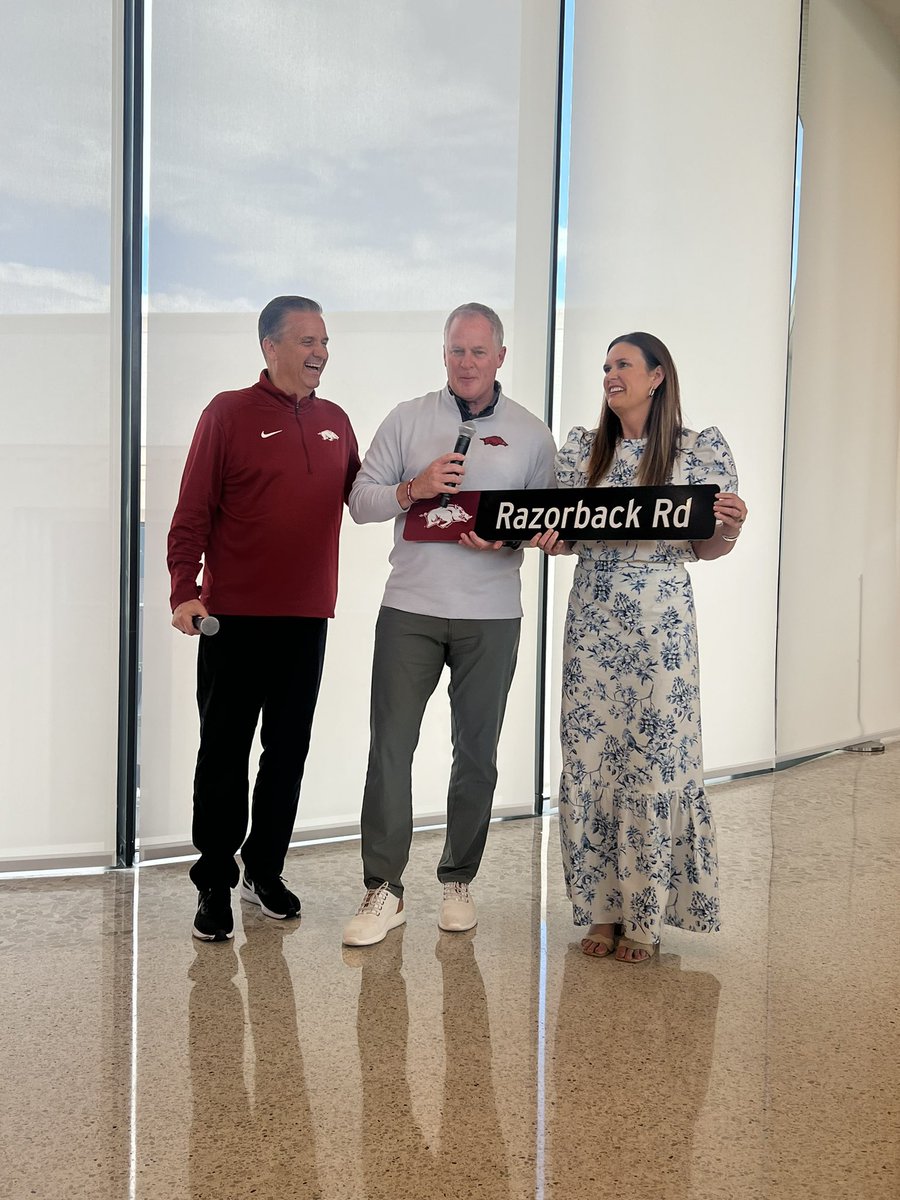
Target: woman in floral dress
pixel 638 838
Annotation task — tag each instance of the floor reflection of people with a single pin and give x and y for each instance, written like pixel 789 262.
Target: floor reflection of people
pixel 630 1070
pixel 244 1144
pixel 472 1144
pixel 398 1163
pixel 221 1107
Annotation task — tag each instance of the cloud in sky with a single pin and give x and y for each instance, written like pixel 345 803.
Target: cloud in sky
pixel 56 96
pixel 27 289
pixel 56 153
pixel 363 151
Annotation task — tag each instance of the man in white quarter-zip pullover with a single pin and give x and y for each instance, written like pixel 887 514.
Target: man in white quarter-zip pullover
pixel 454 603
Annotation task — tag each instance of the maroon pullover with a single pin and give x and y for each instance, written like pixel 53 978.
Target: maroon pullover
pixel 261 499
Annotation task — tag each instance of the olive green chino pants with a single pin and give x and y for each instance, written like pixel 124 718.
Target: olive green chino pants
pixel 411 651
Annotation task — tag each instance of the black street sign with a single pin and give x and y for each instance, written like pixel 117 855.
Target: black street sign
pixel 637 514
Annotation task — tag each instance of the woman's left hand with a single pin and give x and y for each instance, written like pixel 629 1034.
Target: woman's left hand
pixel 551 543
pixel 730 509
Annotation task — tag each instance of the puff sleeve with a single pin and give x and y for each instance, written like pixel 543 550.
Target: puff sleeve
pixel 571 460
pixel 709 460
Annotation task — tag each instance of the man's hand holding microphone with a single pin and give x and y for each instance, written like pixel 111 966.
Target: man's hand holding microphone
pixel 192 618
pixel 443 478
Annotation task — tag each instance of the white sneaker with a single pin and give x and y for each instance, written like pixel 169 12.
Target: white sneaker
pixel 457 908
pixel 379 913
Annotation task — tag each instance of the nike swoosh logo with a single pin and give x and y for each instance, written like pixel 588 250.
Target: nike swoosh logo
pixel 272 434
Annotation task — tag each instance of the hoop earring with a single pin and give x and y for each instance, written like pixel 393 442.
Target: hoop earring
pixel 652 390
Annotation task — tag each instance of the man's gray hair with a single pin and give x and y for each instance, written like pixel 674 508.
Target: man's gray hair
pixel 272 316
pixel 473 309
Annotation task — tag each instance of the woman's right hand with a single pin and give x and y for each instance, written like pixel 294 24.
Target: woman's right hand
pixel 551 543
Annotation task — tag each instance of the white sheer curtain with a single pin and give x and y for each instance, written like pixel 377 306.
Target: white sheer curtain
pixel 391 160
pixel 59 506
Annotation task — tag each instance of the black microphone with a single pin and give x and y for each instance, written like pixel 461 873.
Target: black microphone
pixel 463 438
pixel 207 625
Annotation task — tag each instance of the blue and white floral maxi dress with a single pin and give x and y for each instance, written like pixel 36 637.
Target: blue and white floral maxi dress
pixel 638 838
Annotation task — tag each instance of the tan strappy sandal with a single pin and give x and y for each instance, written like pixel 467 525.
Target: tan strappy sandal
pixel 649 949
pixel 599 939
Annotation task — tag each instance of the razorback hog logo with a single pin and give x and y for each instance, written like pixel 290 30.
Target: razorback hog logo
pixel 494 440
pixel 443 518
pixel 327 436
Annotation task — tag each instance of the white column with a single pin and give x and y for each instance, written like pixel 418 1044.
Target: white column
pixel 838 644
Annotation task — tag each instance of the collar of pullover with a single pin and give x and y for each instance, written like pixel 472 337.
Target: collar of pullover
pixel 466 413
pixel 301 402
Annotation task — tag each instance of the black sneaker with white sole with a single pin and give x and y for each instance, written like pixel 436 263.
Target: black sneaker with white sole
pixel 214 921
pixel 272 897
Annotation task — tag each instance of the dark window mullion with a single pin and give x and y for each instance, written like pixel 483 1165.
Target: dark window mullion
pixel 549 403
pixel 130 447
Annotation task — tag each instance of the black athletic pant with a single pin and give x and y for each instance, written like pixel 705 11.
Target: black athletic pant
pixel 253 665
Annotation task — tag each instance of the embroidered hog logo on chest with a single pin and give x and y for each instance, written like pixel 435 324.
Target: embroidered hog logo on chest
pixel 494 440
pixel 327 436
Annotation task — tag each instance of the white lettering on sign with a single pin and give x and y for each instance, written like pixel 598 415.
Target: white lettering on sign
pixel 573 517
pixel 680 514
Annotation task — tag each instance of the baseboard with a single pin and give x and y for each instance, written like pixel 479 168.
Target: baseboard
pixel 57 864
pixel 790 758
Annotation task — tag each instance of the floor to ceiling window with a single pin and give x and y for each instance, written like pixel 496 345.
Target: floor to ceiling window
pixel 391 161
pixel 386 159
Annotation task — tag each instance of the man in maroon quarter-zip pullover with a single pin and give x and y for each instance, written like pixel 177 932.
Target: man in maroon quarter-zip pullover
pixel 266 479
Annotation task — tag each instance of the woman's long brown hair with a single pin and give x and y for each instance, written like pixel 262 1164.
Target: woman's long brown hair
pixel 663 428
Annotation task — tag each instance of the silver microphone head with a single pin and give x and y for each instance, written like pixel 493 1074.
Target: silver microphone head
pixel 206 625
pixel 466 432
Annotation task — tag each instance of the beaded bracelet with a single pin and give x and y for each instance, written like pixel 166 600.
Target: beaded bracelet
pixel 409 494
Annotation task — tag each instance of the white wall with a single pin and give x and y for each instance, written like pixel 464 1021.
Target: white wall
pixel 838 642
pixel 680 224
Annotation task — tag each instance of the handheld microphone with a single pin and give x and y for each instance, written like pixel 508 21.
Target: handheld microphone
pixel 463 438
pixel 206 625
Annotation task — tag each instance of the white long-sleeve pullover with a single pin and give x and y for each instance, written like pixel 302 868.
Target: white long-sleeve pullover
pixel 512 449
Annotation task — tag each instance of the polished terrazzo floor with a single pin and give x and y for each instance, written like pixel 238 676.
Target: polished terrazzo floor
pixel 762 1062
